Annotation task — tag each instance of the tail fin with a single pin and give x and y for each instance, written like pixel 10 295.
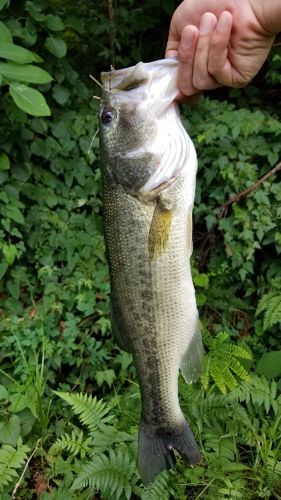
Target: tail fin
pixel 156 449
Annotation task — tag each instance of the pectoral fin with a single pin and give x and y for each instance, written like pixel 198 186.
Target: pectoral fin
pixel 191 362
pixel 159 231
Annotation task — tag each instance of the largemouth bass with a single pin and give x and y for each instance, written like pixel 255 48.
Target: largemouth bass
pixel 148 171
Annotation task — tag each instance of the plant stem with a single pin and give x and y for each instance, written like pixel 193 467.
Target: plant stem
pixel 111 18
pixel 237 197
pixel 24 470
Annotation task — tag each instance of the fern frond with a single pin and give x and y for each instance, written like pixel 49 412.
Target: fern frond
pixel 229 379
pixel 260 391
pixel 223 363
pixel 109 474
pixel 91 412
pixel 240 352
pixel 11 459
pixel 159 489
pixel 205 375
pixel 75 444
pixel 239 370
pixel 217 376
pixel 109 436
pixel 270 305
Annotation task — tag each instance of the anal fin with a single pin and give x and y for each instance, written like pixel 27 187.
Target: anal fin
pixel 191 363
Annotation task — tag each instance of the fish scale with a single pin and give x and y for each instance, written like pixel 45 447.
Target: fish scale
pixel 149 244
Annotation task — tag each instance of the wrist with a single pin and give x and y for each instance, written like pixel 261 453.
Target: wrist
pixel 268 13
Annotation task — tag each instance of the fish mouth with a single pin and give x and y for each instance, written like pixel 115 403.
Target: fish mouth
pixel 154 83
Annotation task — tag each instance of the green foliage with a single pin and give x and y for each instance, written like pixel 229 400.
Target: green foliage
pixel 92 412
pixel 270 306
pixel 108 474
pixel 240 446
pixel 74 444
pixel 17 68
pixel 11 459
pixel 270 364
pixel 54 288
pixel 261 393
pixel 222 363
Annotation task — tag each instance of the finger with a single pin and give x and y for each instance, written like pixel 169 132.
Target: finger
pixel 219 66
pixel 186 57
pixel 173 42
pixel 192 99
pixel 172 49
pixel 202 79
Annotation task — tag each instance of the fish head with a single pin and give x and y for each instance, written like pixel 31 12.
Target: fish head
pixel 139 121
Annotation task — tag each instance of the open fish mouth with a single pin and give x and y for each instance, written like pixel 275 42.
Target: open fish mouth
pixel 154 82
pixel 144 96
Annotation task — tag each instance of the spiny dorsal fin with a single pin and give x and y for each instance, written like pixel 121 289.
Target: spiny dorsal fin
pixel 159 231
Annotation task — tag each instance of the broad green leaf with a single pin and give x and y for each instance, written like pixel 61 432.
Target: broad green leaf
pixel 54 23
pixel 201 280
pixel 13 288
pixel 107 376
pixel 10 431
pixel 76 23
pixel 29 100
pixel 60 94
pixel 35 11
pixel 15 214
pixel 10 252
pixel 3 393
pixel 24 73
pixel 5 35
pixel 3 4
pixel 56 46
pixel 15 53
pixel 270 364
pixel 18 402
pixel 26 421
pixel 37 58
pixel 4 162
pixel 3 268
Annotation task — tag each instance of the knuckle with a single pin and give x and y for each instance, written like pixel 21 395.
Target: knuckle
pixel 200 83
pixel 187 90
pixel 183 53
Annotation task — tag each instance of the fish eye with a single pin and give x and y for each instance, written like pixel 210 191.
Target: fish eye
pixel 108 115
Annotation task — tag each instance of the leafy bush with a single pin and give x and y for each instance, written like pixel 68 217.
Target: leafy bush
pixel 54 289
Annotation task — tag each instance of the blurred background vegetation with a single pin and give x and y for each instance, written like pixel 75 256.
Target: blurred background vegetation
pixel 54 288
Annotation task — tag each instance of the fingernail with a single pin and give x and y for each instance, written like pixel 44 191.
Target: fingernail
pixel 224 21
pixel 207 23
pixel 187 38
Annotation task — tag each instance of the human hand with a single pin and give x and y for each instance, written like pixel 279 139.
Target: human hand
pixel 218 42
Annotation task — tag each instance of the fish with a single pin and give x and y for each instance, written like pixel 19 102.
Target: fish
pixel 148 171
